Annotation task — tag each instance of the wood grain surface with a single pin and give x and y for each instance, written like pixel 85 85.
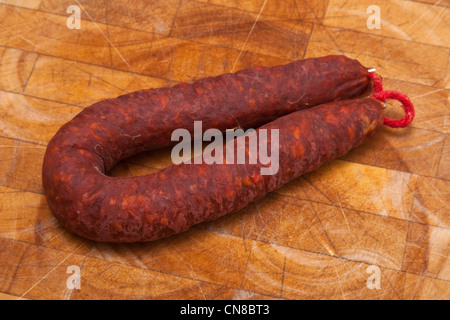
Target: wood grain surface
pixel 386 204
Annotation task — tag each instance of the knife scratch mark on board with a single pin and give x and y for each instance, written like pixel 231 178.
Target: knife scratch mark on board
pixel 53 269
pixel 426 94
pixel 248 36
pixel 437 19
pixel 103 34
pixel 343 212
pixel 424 14
pixel 423 145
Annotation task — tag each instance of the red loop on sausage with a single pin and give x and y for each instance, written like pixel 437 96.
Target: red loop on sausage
pixel 407 106
pixel 383 95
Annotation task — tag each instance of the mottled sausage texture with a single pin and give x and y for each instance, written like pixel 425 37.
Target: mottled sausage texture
pixel 145 208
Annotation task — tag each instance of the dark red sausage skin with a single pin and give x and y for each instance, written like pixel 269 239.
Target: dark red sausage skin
pixel 146 208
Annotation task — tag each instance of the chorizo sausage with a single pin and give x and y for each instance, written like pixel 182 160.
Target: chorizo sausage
pixel 146 208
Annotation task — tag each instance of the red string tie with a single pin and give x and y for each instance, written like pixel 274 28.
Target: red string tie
pixel 383 95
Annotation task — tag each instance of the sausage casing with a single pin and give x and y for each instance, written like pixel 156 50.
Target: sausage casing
pixel 145 208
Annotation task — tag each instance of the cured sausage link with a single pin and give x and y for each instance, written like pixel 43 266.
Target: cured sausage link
pixel 155 206
pixel 147 208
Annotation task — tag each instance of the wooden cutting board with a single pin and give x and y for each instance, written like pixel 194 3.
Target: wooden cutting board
pixel 381 212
